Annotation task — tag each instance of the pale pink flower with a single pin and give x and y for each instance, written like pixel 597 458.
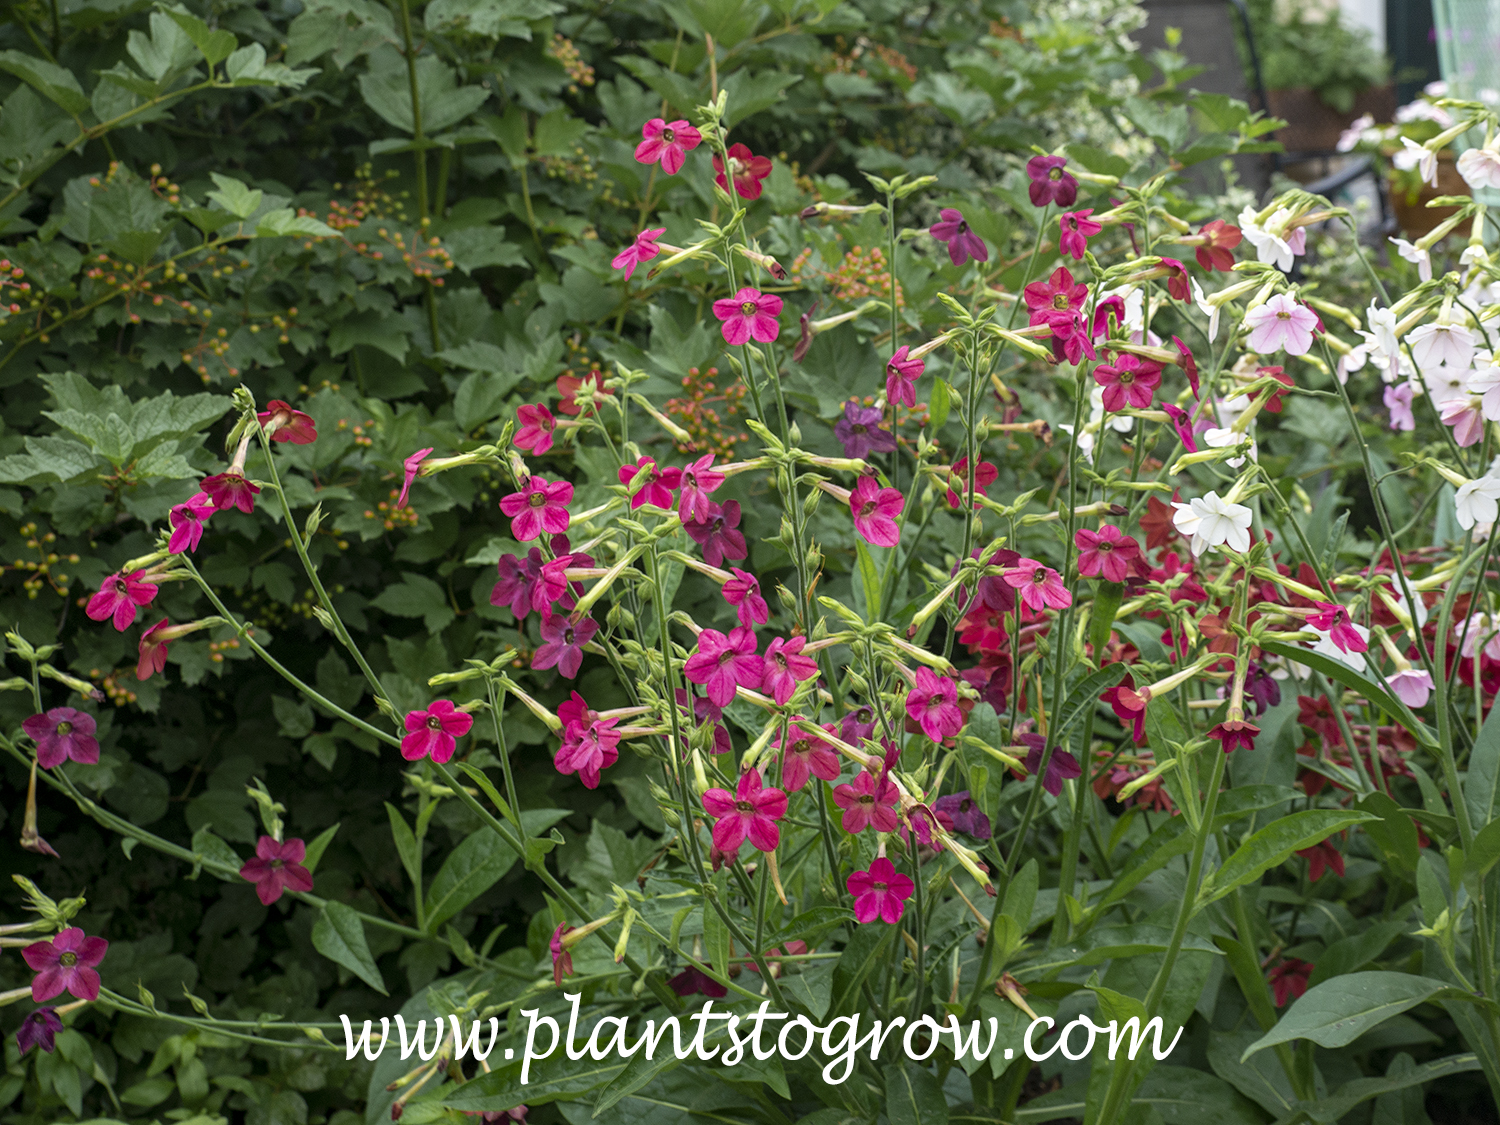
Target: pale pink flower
pixel 1281 323
pixel 1466 416
pixel 1412 686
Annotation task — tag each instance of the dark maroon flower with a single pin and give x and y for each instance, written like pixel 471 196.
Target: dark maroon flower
pixel 1235 735
pixel 39 1029
pixel 1322 857
pixel 1050 182
pixel 963 243
pixel 966 815
pixel 718 534
pixel 277 867
pixel 859 431
pixel 1219 238
pixel 693 980
pixel 1261 688
pixel 531 584
pixel 1188 364
pixel 63 733
pixel 1060 768
pixel 562 643
pixel 1289 980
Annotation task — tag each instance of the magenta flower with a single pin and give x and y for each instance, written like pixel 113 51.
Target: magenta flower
pixel 1335 621
pixel 718 534
pixel 562 959
pixel 743 591
pixel 985 474
pixel 230 490
pixel 1182 422
pixel 699 481
pixel 932 704
pixel 723 664
pixel 786 667
pixel 277 867
pixel 282 423
pixel 434 732
pixel 643 249
pixel 901 375
pixel 749 314
pixel 668 142
pixel 1062 767
pixel 410 467
pixel 880 892
pixel 868 801
pixel 539 507
pixel 860 433
pixel 1129 707
pixel 529 583
pixel 803 755
pixel 65 963
pixel 39 1029
pixel 152 652
pixel 963 243
pixel 120 597
pixel 750 812
pixel 1177 280
pixel 1075 228
pixel 655 485
pixel 1108 552
pixel 1129 381
pixel 1056 299
pixel 746 169
pixel 1050 182
pixel 1397 399
pixel 587 750
pixel 1188 364
pixel 1038 587
pixel 537 425
pixel 63 734
pixel 1281 323
pixel 562 644
pixel 875 510
pixel 187 523
pixel 964 814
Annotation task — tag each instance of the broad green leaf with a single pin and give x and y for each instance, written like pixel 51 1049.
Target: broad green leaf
pixel 319 845
pixel 215 854
pixel 1340 1010
pixel 715 940
pixel 1337 1106
pixel 557 133
pixel 476 865
pixel 285 221
pixel 1107 599
pixel 1394 833
pixel 1083 697
pixel 235 196
pixel 913 1096
pixel 1484 851
pixel 1352 953
pixel 1020 896
pixel 1273 845
pixel 406 843
pixel 1341 672
pixel 1262 1079
pixel 1249 976
pixel 942 400
pixel 387 90
pixel 339 935
pixel 554 1079
pixel 1110 942
pixel 166 53
pixel 1482 786
pixel 48 79
pixel 810 925
pixel 214 46
pixel 248 67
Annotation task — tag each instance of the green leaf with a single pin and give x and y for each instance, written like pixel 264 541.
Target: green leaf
pixel 416 595
pixel 1339 1011
pixel 234 196
pixel 166 54
pixel 1484 851
pixel 474 866
pixel 339 935
pixel 1338 670
pixel 1273 845
pixel 1107 599
pixel 1394 833
pixel 214 46
pixel 219 857
pixel 316 849
pixel 810 925
pixel 553 1079
pixel 248 67
pixel 867 580
pixel 48 79
pixel 557 133
pixel 1338 1105
pixel 1098 161
pixel 1482 786
pixel 715 940
pixel 285 221
pixel 1352 953
pixel 1083 697
pixel 1109 943
pixel 913 1096
pixel 387 90
pixel 1020 896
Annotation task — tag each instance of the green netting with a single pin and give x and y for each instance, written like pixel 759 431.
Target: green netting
pixel 1468 43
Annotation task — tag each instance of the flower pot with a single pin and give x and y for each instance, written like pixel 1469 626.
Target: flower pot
pixel 1413 216
pixel 1313 127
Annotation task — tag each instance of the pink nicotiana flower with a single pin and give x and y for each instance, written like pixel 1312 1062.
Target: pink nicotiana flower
pixel 1188 364
pixel 1129 382
pixel 230 490
pixel 410 467
pixel 66 963
pixel 562 643
pixel 743 592
pixel 750 812
pixel 963 243
pixel 1412 686
pixel 901 376
pixel 804 755
pixel 698 481
pixel 153 647
pixel 1178 282
pixel 537 425
pixel 985 474
pixel 1050 182
pixel 745 168
pixel 590 744
pixel 650 484
pixel 718 534
pixel 723 664
pixel 1108 552
pixel 881 892
pixel 868 801
pixel 1182 422
pixel 1038 587
pixel 1335 621
pixel 643 249
pixel 120 598
pixel 1466 415
pixel 63 734
pixel 1075 228
pixel 932 704
pixel 434 732
pixel 532 584
pixel 282 423
pixel 875 510
pixel 276 868
pixel 668 142
pixel 187 521
pixel 785 668
pixel 1281 323
pixel 1398 398
pixel 749 314
pixel 539 507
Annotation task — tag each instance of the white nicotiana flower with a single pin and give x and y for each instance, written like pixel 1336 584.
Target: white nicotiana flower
pixel 1121 424
pixel 1209 310
pixel 1484 380
pixel 1227 438
pixel 1354 361
pixel 1269 247
pixel 1351 136
pixel 1382 324
pixel 1480 167
pixel 1441 342
pixel 1419 157
pixel 1444 384
pixel 1420 110
pixel 1477 501
pixel 1211 521
pixel 1326 647
pixel 1479 630
pixel 1415 255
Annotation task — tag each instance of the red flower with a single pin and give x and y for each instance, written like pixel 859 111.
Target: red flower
pixel 881 892
pixel 751 812
pixel 985 474
pixel 1178 286
pixel 537 425
pixel 1289 979
pixel 410 468
pixel 1187 363
pixel 1157 523
pixel 282 423
pixel 65 963
pixel 1129 707
pixel 747 170
pixel 1235 735
pixel 1108 552
pixel 1274 404
pixel 187 521
pixel 1320 857
pixel 668 142
pixel 1129 381
pixel 1317 715
pixel 1219 238
pixel 120 597
pixel 1057 296
pixel 562 960
pixel 434 732
pixel 655 486
pixel 231 490
pixel 568 385
pixel 276 867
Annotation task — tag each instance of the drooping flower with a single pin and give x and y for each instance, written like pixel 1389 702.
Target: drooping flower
pixel 1210 521
pixel 1466 416
pixel 1075 228
pixel 985 474
pixel 743 592
pixel 723 664
pixel 718 534
pixel 529 583
pixel 804 755
pixel 1322 857
pixel 963 243
pixel 39 1029
pixel 282 423
pixel 1128 382
pixel 539 507
pixel 881 892
pixel 668 142
pixel 964 812
pixel 1398 400
pixel 1480 167
pixel 1039 587
pixel 434 732
pixel 751 812
pixel 1219 238
pixel 410 467
pixel 1335 621
pixel 860 433
pixel 857 724
pixel 230 490
pixel 277 867
pixel 749 314
pixel 1108 552
pixel 1061 767
pixel 1261 688
pixel 868 801
pixel 562 643
pixel 693 980
pixel 537 425
pixel 1188 364
pixel 66 963
pixel 562 957
pixel 786 667
pixel 1128 707
pixel 63 734
pixel 901 375
pixel 642 250
pixel 649 484
pixel 932 704
pixel 152 654
pixel 699 481
pixel 1235 734
pixel 119 598
pixel 875 510
pixel 1182 422
pixel 568 387
pixel 187 520
pixel 1412 686
pixel 746 169
pixel 1289 979
pixel 1281 323
pixel 1050 182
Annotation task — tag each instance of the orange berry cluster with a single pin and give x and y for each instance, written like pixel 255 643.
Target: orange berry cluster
pixel 696 414
pixel 390 516
pixel 109 683
pixel 216 649
pixel 361 438
pixel 862 274
pixel 40 571
pixel 857 58
pixel 563 50
pixel 11 279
